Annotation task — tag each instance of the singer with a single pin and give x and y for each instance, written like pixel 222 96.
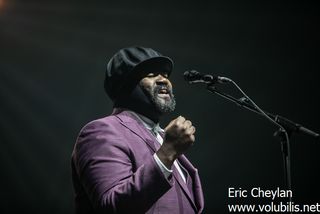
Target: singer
pixel 126 163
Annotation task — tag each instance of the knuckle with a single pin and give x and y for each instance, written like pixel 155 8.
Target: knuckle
pixel 183 129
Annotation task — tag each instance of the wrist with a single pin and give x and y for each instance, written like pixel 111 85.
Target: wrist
pixel 167 156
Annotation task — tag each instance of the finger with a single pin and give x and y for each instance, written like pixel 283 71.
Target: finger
pixel 187 124
pixel 180 120
pixel 172 122
pixel 191 130
pixel 193 139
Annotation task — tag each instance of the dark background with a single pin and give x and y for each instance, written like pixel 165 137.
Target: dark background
pixel 53 56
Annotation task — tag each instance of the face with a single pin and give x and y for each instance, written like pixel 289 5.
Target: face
pixel 158 88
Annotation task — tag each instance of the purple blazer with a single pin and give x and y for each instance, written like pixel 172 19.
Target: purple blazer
pixel 113 171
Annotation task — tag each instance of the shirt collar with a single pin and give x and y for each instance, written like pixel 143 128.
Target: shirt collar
pixel 149 124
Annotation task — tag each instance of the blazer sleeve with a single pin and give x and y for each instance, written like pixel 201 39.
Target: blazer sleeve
pixel 102 159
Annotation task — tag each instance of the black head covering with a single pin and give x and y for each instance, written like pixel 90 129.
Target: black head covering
pixel 129 65
pixel 124 71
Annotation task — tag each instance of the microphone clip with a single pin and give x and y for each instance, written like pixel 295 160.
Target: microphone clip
pixel 196 77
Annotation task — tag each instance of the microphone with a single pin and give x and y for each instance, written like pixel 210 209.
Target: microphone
pixel 194 76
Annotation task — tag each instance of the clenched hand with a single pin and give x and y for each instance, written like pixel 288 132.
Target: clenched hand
pixel 179 136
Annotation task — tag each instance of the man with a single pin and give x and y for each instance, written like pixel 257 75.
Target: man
pixel 125 163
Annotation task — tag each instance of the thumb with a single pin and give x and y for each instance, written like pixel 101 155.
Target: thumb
pixel 171 123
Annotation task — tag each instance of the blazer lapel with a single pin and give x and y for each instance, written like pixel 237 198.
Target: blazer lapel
pixel 197 189
pixel 129 121
pixel 184 187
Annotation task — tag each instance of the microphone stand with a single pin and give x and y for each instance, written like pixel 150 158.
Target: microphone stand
pixel 286 126
pixel 280 133
pixel 289 125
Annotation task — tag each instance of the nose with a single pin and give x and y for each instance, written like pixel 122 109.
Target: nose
pixel 162 80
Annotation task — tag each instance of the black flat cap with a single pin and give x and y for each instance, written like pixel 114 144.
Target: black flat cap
pixel 129 65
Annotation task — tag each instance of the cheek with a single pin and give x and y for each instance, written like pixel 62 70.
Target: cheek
pixel 146 89
pixel 170 87
pixel 146 84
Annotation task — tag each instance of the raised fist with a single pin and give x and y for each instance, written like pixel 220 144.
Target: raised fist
pixel 179 136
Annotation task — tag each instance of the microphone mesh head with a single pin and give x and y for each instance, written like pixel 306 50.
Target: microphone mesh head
pixel 191 75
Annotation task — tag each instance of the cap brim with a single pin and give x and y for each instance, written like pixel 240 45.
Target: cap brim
pixel 160 64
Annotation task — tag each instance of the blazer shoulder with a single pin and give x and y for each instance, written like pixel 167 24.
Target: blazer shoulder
pixel 104 131
pixel 109 122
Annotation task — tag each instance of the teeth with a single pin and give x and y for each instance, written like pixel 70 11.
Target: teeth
pixel 163 91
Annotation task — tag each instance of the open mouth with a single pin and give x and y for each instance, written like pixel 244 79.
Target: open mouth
pixel 163 93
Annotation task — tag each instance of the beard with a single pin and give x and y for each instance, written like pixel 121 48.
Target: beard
pixel 162 105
